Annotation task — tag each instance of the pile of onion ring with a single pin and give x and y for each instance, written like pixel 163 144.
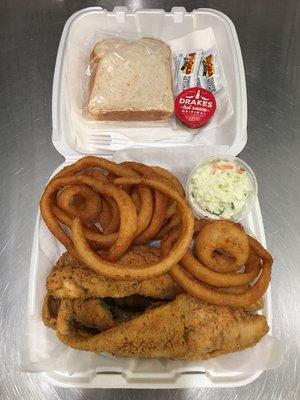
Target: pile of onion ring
pixel 97 209
pixel 230 267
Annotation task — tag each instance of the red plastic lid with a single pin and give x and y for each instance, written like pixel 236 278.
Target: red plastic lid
pixel 195 106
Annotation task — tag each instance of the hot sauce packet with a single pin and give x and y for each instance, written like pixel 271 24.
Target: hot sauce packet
pixel 197 68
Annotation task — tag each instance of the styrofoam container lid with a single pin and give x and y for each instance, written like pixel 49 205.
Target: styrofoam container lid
pixel 232 134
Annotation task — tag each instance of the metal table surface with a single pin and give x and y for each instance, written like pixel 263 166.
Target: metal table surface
pixel 269 36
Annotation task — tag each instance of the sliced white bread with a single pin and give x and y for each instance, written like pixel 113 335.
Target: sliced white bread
pixel 132 80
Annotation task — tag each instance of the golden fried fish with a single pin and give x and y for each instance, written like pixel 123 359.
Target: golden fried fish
pixel 71 279
pixel 185 328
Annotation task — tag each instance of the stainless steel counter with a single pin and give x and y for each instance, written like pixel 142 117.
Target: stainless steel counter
pixel 269 36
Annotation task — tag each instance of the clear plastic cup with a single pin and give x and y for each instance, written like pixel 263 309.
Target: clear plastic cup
pixel 200 212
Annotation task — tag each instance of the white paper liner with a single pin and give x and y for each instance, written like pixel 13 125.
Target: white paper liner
pixel 42 351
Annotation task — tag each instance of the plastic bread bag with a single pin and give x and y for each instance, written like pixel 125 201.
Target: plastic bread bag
pixel 130 80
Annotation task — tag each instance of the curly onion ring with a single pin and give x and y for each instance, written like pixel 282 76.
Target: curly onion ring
pixel 164 173
pixel 94 174
pixel 160 202
pixel 204 274
pixel 80 201
pixel 113 225
pixel 171 210
pixel 101 240
pixel 157 220
pixel 145 211
pixel 89 162
pixel 175 183
pixel 257 305
pixel 201 291
pixel 156 172
pixel 128 215
pixel 174 221
pixel 161 174
pixel 145 271
pixel 199 224
pixel 143 201
pixel 230 299
pixel 135 197
pixel 91 232
pixel 140 169
pixel 105 215
pixel 260 250
pixel 218 237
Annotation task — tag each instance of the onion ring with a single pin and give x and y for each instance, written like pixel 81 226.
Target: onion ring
pixel 164 173
pixel 114 223
pixel 219 236
pixel 201 291
pixel 200 223
pixel 94 174
pixel 146 208
pixel 140 169
pixel 204 274
pixel 88 210
pixel 243 300
pixel 175 183
pixel 149 172
pixel 101 240
pixel 257 305
pixel 160 202
pixel 175 220
pixel 109 217
pixel 89 162
pixel 145 271
pixel 260 250
pixel 171 210
pixel 135 197
pixel 105 215
pixel 91 232
pixel 128 216
pixel 157 220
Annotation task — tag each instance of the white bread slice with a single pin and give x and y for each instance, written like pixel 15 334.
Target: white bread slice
pixel 105 46
pixel 132 81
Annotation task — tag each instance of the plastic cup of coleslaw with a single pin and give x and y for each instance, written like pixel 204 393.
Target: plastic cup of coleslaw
pixel 222 187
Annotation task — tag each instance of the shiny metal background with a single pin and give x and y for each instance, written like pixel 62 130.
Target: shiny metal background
pixel 269 36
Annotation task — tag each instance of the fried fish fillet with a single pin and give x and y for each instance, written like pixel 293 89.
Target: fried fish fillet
pixel 89 313
pixel 71 279
pixel 50 310
pixel 92 313
pixel 185 328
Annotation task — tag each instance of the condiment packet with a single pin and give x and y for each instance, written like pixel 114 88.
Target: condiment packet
pixel 197 68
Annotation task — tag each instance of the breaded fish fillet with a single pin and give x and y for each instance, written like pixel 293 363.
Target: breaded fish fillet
pixel 71 279
pixel 185 328
pixel 91 313
pixel 87 313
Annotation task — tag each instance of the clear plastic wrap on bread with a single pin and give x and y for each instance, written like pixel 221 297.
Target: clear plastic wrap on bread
pixel 131 80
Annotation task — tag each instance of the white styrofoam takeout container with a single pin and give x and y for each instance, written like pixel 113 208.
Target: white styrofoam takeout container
pixel 68 127
pixel 179 19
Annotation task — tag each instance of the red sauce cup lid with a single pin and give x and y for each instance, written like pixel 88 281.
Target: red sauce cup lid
pixel 195 106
